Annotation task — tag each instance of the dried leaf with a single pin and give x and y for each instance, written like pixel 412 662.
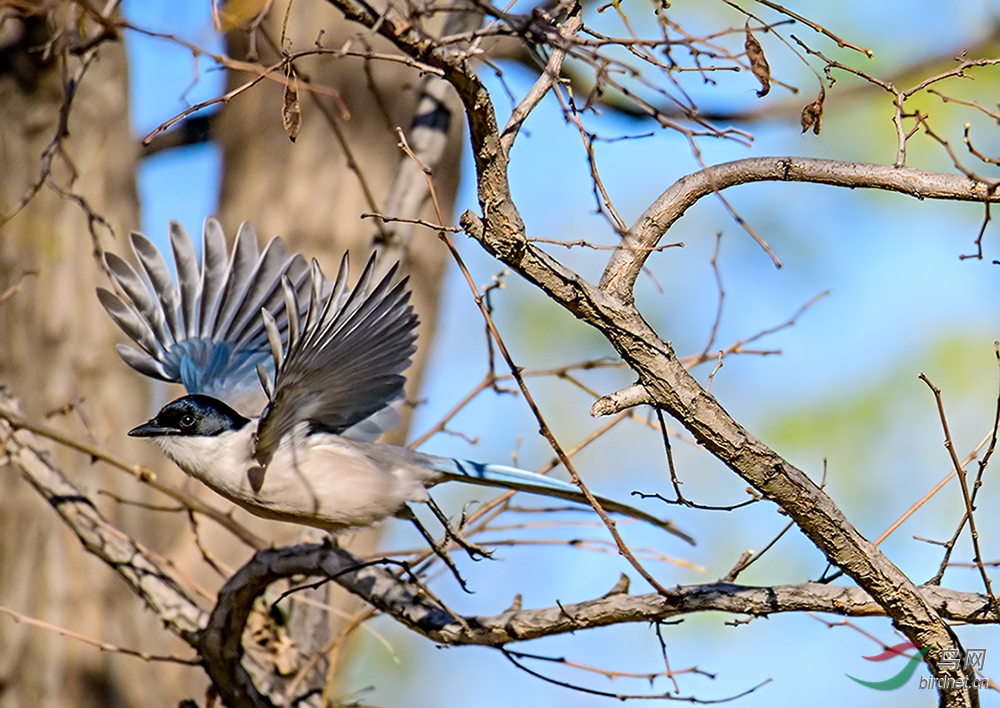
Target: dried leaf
pixel 812 114
pixel 291 110
pixel 758 62
pixel 231 14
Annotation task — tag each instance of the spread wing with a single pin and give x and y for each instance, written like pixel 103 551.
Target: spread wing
pixel 340 363
pixel 205 332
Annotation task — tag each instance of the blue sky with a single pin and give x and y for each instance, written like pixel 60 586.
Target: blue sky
pixel 844 389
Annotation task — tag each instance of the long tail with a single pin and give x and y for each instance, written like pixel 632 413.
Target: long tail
pixel 521 481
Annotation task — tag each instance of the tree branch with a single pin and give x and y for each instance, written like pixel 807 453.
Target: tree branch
pixel 219 643
pixel 628 260
pixel 610 309
pixel 157 586
pixel 673 389
pixel 412 607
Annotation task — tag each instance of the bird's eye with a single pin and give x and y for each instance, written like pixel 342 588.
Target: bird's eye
pixel 187 421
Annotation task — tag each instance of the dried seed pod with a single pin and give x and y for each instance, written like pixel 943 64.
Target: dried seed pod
pixel 812 113
pixel 291 110
pixel 758 62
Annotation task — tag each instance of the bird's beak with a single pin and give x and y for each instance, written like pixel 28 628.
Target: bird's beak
pixel 151 429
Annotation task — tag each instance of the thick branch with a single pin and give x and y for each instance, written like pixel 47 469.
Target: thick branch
pixel 221 647
pixel 672 388
pixel 154 583
pixel 675 391
pixel 627 261
pixel 157 587
pixel 412 607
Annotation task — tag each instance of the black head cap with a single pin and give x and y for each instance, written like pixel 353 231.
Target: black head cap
pixel 192 415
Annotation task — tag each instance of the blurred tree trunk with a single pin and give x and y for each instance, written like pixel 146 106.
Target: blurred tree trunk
pixel 57 355
pixel 307 191
pixel 57 346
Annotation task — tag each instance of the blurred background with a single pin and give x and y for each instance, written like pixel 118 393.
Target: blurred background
pixel 837 392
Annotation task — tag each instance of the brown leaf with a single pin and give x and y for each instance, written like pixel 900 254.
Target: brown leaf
pixel 291 110
pixel 237 13
pixel 812 114
pixel 758 62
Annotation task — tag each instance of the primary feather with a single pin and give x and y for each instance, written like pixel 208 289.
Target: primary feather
pixel 343 360
pixel 205 332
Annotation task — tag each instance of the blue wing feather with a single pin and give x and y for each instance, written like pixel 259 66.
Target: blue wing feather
pixel 204 332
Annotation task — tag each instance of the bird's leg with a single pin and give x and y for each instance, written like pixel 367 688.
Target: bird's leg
pixel 407 513
pixel 475 551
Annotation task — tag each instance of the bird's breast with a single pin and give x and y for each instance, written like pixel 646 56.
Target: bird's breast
pixel 318 481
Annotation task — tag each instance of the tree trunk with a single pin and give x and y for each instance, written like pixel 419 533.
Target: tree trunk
pixel 57 354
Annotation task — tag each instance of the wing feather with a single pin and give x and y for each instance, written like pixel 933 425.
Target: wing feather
pixel 213 273
pixel 264 279
pixel 241 267
pixel 138 299
pixel 205 331
pixel 188 277
pixel 252 336
pixel 156 270
pixel 131 322
pixel 343 361
pixel 142 362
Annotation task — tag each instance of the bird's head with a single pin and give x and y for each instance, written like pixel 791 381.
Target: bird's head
pixel 203 435
pixel 196 415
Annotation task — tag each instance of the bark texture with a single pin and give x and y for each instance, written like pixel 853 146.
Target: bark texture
pixel 64 133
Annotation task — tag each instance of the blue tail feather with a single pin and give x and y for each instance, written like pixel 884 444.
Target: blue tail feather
pixel 522 481
pixel 503 474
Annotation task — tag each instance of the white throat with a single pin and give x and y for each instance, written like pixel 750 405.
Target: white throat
pixel 208 458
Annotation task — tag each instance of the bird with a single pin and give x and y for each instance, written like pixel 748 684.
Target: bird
pixel 290 380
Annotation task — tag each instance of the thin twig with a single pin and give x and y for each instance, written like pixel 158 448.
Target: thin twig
pixel 966 496
pixel 103 646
